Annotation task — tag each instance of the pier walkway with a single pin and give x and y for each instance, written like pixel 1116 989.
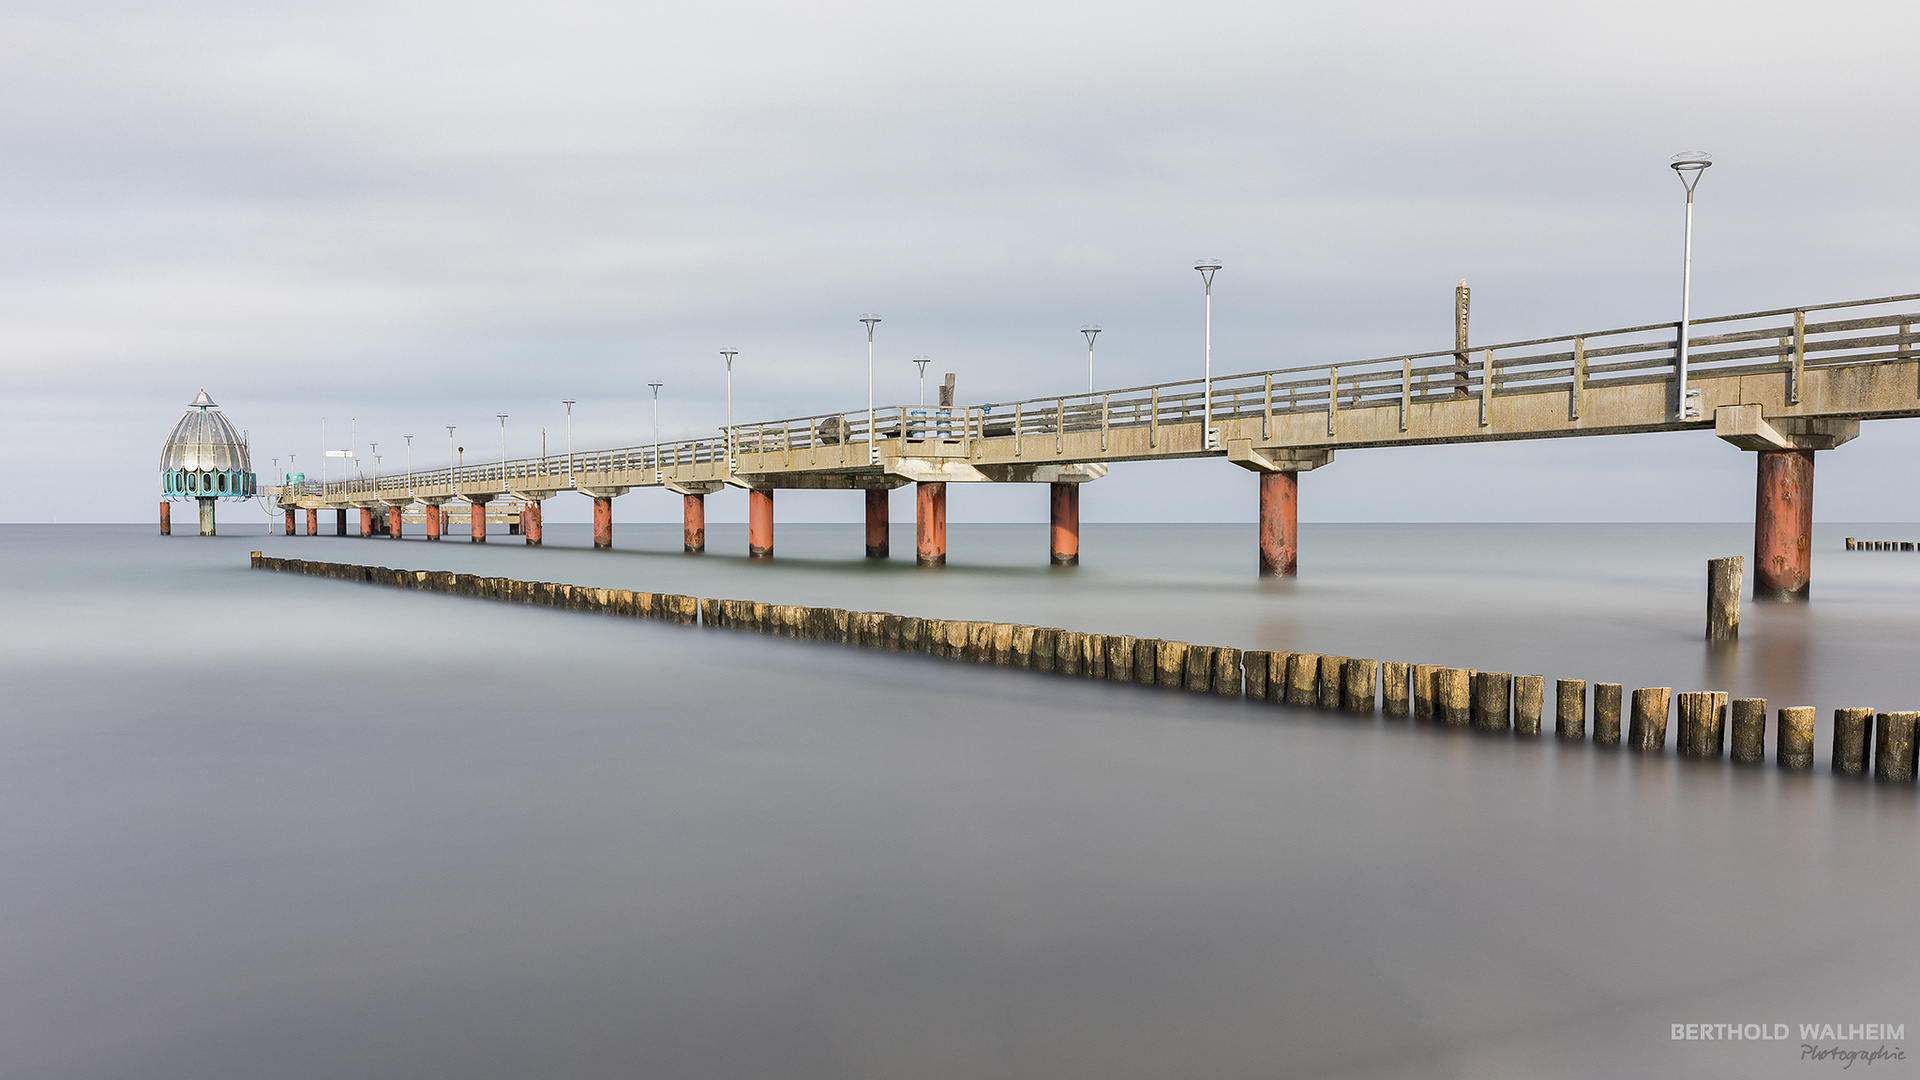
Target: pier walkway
pixel 1784 383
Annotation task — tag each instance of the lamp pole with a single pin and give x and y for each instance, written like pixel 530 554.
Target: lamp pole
pixel 923 361
pixel 376 465
pixel 503 449
pixel 1092 331
pixel 409 439
pixel 450 463
pixel 568 402
pixel 1207 268
pixel 1688 165
pixel 873 443
pixel 728 355
pixel 656 431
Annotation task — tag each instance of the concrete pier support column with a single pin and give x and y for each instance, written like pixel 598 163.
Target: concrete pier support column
pixel 693 524
pixel 530 522
pixel 759 524
pixel 1783 526
pixel 1279 524
pixel 166 518
pixel 206 516
pixel 433 522
pixel 290 523
pixel 1065 530
pixel 393 522
pixel 477 522
pixel 313 522
pixel 603 521
pixel 879 542
pixel 340 521
pixel 930 523
pixel 366 522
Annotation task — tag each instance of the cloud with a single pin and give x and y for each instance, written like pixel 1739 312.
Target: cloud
pixel 420 214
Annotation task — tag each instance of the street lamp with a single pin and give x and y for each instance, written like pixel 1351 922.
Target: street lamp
pixel 728 354
pixel 1688 165
pixel 1092 330
pixel 376 465
pixel 503 448
pixel 923 361
pixel 568 402
pixel 656 430
pixel 1207 268
pixel 409 439
pixel 450 460
pixel 873 445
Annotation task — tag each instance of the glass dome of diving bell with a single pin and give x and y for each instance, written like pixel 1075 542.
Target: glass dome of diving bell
pixel 204 457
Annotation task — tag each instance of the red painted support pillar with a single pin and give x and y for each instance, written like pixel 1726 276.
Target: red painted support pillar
pixel 393 522
pixel 477 523
pixel 1783 526
pixel 313 522
pixel 930 523
pixel 289 530
pixel 603 521
pixel 693 520
pixel 1279 524
pixel 759 524
pixel 340 521
pixel 1066 525
pixel 166 518
pixel 366 523
pixel 530 522
pixel 879 543
pixel 433 522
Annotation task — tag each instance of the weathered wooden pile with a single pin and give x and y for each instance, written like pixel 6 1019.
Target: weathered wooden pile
pixel 1879 545
pixel 1488 701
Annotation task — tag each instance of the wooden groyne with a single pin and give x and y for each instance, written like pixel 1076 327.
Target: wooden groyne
pixel 1864 739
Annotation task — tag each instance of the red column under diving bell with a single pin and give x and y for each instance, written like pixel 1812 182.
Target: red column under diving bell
pixel 313 523
pixel 433 522
pixel 166 518
pixel 603 521
pixel 759 524
pixel 530 522
pixel 1279 524
pixel 879 542
pixel 1065 542
pixel 477 523
pixel 693 523
pixel 290 523
pixel 930 523
pixel 393 522
pixel 366 522
pixel 1783 526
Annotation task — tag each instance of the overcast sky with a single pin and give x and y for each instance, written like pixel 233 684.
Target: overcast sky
pixel 421 214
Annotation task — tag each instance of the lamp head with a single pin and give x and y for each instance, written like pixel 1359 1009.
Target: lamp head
pixel 1207 267
pixel 1689 164
pixel 869 319
pixel 729 354
pixel 1090 330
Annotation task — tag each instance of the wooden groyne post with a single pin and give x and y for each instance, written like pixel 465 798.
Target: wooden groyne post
pixel 1724 577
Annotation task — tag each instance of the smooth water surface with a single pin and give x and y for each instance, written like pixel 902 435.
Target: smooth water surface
pixel 263 825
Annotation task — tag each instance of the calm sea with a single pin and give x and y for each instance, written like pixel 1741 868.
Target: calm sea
pixel 257 825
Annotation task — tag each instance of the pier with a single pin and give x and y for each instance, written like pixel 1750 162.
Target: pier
pixel 1783 384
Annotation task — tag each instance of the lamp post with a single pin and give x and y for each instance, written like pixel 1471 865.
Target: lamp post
pixel 450 458
pixel 923 361
pixel 1092 330
pixel 1207 268
pixel 728 354
pixel 568 402
pixel 873 443
pixel 503 449
pixel 409 439
pixel 1688 165
pixel 656 431
pixel 376 465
